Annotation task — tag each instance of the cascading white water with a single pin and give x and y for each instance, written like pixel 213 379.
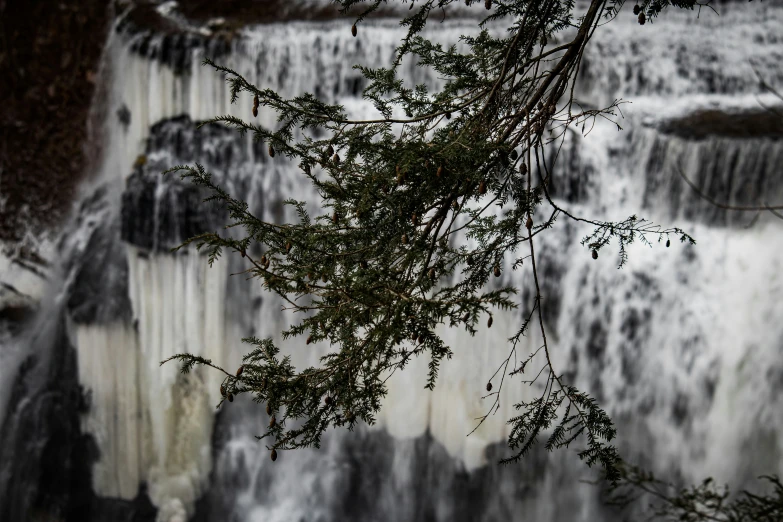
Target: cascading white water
pixel 679 346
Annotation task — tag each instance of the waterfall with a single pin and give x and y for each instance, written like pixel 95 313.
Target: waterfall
pixel 680 346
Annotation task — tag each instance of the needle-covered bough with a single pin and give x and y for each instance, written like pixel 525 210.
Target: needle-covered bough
pixel 388 261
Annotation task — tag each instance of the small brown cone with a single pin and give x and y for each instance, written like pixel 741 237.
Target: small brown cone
pixel 309 339
pixel 272 422
pixel 330 151
pixel 328 400
pixel 514 154
pixel 288 247
pixel 668 243
pixel 222 390
pixel 489 322
pixel 595 254
pixel 440 171
pixel 263 260
pixel 240 370
pixel 489 386
pixel 432 273
pixel 482 188
pixel 523 168
pixel 529 223
pixel 404 239
pixel 271 151
pixel 230 397
pixel 273 455
pixel 353 30
pixel 636 10
pixel 496 270
pixel 642 19
pixel 324 278
pixel 488 4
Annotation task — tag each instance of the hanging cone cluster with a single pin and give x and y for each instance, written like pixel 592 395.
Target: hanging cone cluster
pixel 255 105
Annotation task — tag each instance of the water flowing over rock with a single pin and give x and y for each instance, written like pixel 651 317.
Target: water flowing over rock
pixel 681 346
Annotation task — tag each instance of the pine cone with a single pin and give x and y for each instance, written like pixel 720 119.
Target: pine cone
pixel 529 223
pixel 523 168
pixel 353 30
pixel 488 4
pixel 489 386
pixel 514 154
pixel 273 455
pixel 496 270
pixel 404 239
pixel 636 10
pixel 482 188
pixel 336 159
pixel 595 254
pixel 328 400
pixel 240 370
pixel 222 390
pixel 309 339
pixel 271 151
pixel 668 243
pixel 489 322
pixel 642 18
pixel 268 409
pixel 272 422
pixel 230 397
pixel 440 171
pixel 330 151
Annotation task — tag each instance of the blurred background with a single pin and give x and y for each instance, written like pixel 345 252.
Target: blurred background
pixel 682 346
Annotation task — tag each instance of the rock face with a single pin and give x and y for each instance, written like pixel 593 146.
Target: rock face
pixel 48 69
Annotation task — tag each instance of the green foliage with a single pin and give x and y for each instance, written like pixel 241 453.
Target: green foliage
pixel 383 267
pixel 703 502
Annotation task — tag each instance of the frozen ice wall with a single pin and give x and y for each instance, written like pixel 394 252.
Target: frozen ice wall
pixel 680 345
